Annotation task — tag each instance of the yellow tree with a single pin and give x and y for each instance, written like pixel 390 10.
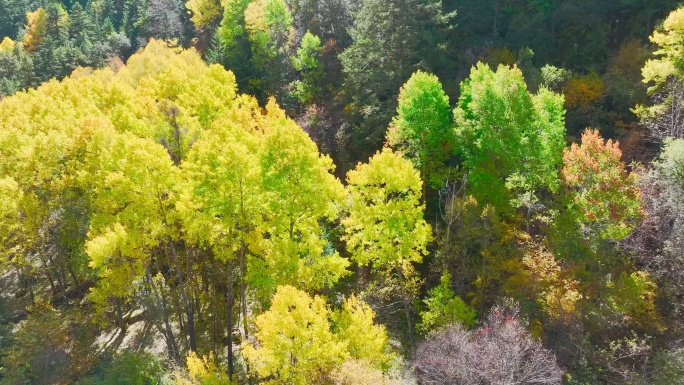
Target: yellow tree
pixel 221 198
pixel 35 29
pixel 204 12
pixel 385 227
pixel 299 193
pixel 60 143
pixel 133 195
pixel 663 74
pixel 298 345
pixel 367 342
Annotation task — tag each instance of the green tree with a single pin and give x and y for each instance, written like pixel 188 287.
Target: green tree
pixel 233 40
pixel 54 55
pixel 268 24
pixel 16 67
pixel 444 308
pixel 308 62
pixel 328 19
pixel 422 128
pixel 390 40
pixel 12 16
pixel 510 140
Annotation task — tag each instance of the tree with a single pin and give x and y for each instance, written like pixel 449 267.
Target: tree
pixel 300 196
pixel 600 206
pixel 297 344
pixel 133 185
pixel 501 352
pixel 445 309
pixel 366 341
pixel 510 140
pixel 308 63
pixel 670 49
pixel 16 67
pixel 205 13
pixel 222 189
pixel 422 128
pixel 200 371
pixel 605 196
pixel 35 29
pixel 126 199
pixel 656 240
pixel 582 91
pixel 556 291
pixel 161 19
pixel 385 226
pixel 12 16
pixel 54 54
pixel 385 223
pixel 233 39
pixel 390 40
pixel 328 19
pixel 664 74
pixel 268 24
pixel 81 26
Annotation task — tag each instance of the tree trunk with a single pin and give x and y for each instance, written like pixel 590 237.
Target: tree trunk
pixel 243 274
pixel 73 276
pixel 407 310
pixel 161 300
pixel 446 246
pixel 529 211
pixel 214 306
pixel 176 301
pixel 26 280
pixel 184 298
pixel 409 322
pixel 119 315
pixel 49 277
pixel 243 303
pixel 229 317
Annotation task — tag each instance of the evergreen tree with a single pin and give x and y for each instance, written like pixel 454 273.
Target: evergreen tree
pixel 234 40
pixel 390 41
pixel 13 16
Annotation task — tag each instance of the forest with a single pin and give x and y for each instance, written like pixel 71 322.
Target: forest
pixel 341 192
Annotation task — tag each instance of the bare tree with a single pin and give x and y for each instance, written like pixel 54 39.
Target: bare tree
pixel 501 352
pixel 658 241
pixel 162 20
pixel 669 121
